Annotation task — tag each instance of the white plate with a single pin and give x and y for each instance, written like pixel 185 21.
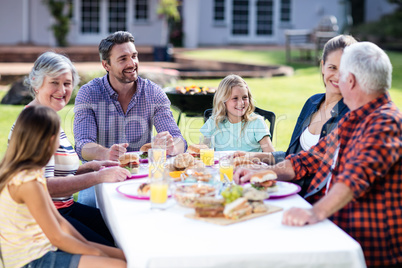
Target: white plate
pixel 284 189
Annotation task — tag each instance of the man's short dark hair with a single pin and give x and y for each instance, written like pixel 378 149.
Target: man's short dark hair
pixel 107 44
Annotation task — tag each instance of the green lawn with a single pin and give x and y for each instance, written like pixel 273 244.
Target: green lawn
pixel 282 95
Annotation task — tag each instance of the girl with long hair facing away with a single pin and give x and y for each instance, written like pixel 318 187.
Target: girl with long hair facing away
pixel 32 231
pixel 233 123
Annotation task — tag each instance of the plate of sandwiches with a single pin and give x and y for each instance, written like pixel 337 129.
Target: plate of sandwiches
pixel 131 161
pixel 139 191
pixel 266 181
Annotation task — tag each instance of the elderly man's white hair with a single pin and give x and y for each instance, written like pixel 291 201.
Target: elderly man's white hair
pixel 369 64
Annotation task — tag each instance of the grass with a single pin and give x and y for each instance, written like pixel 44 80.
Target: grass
pixel 283 95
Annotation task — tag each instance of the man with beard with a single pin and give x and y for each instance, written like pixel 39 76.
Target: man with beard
pixel 115 113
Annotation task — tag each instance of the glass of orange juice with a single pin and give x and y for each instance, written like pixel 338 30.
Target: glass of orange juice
pixel 207 153
pixel 159 193
pixel 226 167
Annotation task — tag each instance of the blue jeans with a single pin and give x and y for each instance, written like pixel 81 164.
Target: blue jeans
pixel 87 197
pixel 56 259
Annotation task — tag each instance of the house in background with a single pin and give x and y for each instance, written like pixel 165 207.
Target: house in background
pixel 204 22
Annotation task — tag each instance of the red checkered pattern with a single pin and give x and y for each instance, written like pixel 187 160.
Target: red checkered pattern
pixel 370 163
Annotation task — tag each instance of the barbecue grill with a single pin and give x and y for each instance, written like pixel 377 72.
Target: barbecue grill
pixel 191 105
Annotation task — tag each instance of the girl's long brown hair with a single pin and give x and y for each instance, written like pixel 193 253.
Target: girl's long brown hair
pixel 32 142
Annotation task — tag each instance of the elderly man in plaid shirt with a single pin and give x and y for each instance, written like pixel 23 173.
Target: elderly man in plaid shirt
pixel 359 162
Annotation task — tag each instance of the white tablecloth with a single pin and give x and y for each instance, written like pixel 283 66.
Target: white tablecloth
pixel 152 238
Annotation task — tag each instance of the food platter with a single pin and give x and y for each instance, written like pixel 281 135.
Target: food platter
pixel 225 221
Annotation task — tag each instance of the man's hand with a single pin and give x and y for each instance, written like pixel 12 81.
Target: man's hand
pixel 115 151
pixel 169 141
pixel 300 217
pixel 113 174
pixel 243 175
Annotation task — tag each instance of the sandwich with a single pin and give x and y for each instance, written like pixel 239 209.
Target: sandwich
pixel 237 209
pixel 144 189
pixel 252 194
pixel 144 149
pixel 194 149
pixel 265 181
pixel 182 161
pixel 130 161
pixel 208 206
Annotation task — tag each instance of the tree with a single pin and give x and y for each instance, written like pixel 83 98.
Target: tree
pixel 168 9
pixel 61 11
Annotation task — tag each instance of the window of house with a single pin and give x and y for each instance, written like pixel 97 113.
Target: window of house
pixel 285 10
pixel 219 11
pixel 141 10
pixel 265 14
pixel 90 20
pixel 117 15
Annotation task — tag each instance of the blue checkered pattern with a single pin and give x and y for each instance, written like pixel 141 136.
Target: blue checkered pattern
pixel 99 117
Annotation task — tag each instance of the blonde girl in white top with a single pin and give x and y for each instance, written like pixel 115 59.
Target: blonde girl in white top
pixel 33 232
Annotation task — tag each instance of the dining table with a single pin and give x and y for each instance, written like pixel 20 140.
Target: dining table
pixel 168 238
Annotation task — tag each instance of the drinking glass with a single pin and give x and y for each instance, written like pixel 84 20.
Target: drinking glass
pixel 226 167
pixel 207 153
pixel 156 163
pixel 159 142
pixel 159 193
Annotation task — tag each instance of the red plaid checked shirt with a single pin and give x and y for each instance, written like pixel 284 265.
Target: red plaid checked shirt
pixel 369 163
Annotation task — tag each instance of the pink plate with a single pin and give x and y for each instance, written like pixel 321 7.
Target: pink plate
pixel 137 176
pixel 130 191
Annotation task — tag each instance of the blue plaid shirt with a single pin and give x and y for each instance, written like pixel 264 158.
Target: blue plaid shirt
pixel 99 117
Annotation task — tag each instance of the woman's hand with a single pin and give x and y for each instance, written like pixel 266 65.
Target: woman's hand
pixel 113 174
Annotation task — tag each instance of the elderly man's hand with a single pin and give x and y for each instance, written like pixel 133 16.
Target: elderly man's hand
pixel 116 150
pixel 243 175
pixel 299 217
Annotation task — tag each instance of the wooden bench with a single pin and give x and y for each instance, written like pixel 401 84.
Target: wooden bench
pixel 309 43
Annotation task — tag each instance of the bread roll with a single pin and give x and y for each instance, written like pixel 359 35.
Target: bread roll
pixel 129 158
pixel 262 176
pixel 181 161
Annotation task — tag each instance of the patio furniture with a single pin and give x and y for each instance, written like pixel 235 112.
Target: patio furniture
pixel 268 115
pixel 310 42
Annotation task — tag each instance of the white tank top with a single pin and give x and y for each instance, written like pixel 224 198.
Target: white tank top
pixel 307 139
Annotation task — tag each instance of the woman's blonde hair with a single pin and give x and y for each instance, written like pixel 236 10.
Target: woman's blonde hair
pixel 32 142
pixel 223 94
